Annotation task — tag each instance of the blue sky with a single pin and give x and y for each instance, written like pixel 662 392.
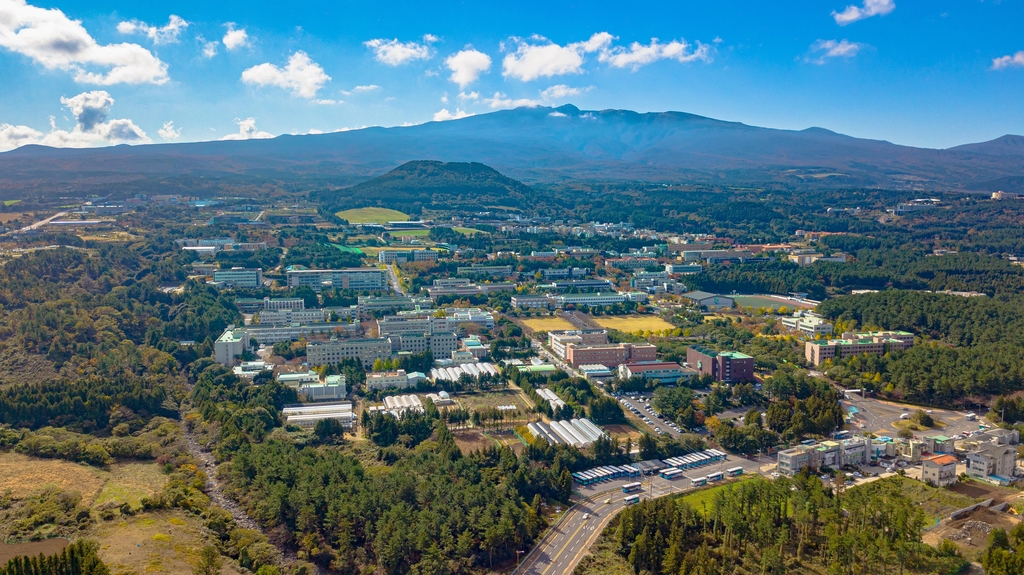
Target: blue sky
pixel 934 74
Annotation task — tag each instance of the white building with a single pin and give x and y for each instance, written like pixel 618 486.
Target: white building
pixel 294 316
pixel 239 277
pixel 351 278
pixel 387 380
pixel 809 324
pixel 403 256
pixel 297 380
pixel 332 389
pixel 366 351
pixel 231 344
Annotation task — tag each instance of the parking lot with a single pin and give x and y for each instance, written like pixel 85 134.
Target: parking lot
pixel 639 405
pixel 877 416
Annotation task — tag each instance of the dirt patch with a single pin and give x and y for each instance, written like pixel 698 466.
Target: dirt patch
pixel 621 432
pixel 8 216
pixel 471 440
pixel 34 548
pixel 154 542
pixel 985 491
pixel 970 533
pixel 25 475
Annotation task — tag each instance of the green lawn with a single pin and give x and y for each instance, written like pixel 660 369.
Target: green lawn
pixel 410 233
pixel 469 231
pixel 348 249
pixel 755 301
pixel 10 202
pixel 372 216
pixel 703 497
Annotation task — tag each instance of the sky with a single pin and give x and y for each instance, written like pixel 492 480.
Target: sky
pixel 933 73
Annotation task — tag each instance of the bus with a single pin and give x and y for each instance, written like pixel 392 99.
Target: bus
pixel 631 487
pixel 716 476
pixel 671 473
pixel 631 499
pixel 698 481
pixel 734 471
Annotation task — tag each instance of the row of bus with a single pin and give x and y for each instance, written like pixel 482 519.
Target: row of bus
pixel 698 459
pixel 673 473
pixel 605 473
pixel 716 476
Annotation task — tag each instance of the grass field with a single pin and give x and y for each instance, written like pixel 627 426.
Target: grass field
pixel 410 233
pixel 701 499
pixel 480 400
pixel 348 249
pixel 25 475
pixel 547 323
pixel 4 218
pixel 372 216
pixel 757 301
pixel 130 482
pixel 469 231
pixel 11 202
pixel 632 323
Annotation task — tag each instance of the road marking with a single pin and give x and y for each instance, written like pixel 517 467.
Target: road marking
pixel 559 552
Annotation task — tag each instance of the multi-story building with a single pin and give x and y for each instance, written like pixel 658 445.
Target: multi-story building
pixel 533 302
pixel 298 379
pixel 366 351
pixel 939 470
pixel 992 462
pixel 808 324
pixel 410 324
pixel 273 333
pixel 589 299
pixel 441 345
pixel 370 304
pixel 231 344
pixel 630 263
pixel 555 273
pixel 710 301
pixel 474 315
pixel 870 343
pixel 404 256
pixel 374 279
pixel 468 289
pixel 662 371
pixel 293 316
pixel 493 271
pixel 581 285
pixel 253 305
pixel 609 354
pixel 239 277
pixel 387 380
pixel 557 340
pixel 724 366
pixel 832 454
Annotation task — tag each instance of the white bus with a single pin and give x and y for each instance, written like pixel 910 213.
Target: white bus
pixel 631 487
pixel 716 476
pixel 734 471
pixel 631 499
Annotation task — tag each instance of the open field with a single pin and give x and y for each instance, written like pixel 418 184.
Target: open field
pixel 348 249
pixel 470 440
pixel 153 542
pixel 32 548
pixel 25 475
pixel 756 301
pixel 981 491
pixel 130 482
pixel 409 233
pixel 372 216
pixel 547 323
pixel 622 432
pixel 6 217
pixel 481 400
pixel 632 323
pixel 701 499
pixel 469 231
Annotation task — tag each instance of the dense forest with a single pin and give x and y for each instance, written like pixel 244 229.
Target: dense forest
pixel 968 346
pixel 785 526
pixel 78 558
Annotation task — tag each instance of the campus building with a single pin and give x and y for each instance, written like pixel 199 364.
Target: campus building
pixel 253 305
pixel 370 304
pixel 557 340
pixel 493 271
pixel 609 354
pixel 404 256
pixel 231 344
pixel 809 324
pixel 293 316
pixel 366 351
pixel 441 345
pixel 239 277
pixel 374 279
pixel 830 454
pixel 870 343
pixel 710 301
pixel 389 380
pixel 724 366
pixel 662 371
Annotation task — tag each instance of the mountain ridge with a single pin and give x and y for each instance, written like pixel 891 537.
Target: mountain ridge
pixel 544 145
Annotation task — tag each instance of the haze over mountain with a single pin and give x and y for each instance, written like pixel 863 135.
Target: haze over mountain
pixel 536 145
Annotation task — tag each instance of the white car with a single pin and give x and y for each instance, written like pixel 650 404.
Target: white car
pixel 586 516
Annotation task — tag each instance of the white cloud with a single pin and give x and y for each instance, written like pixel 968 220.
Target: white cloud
pixel 444 99
pixel 16 136
pixel 92 128
pixel 360 89
pixel 302 76
pixel 502 102
pixel 560 91
pixel 328 102
pixel 546 59
pixel 1003 62
pixel 444 114
pixel 235 38
pixel 314 131
pixel 57 42
pixel 869 8
pixel 463 96
pixel 467 65
pixel 169 132
pixel 247 131
pixel 638 54
pixel 209 48
pixel 166 34
pixel 394 53
pixel 834 49
pixel 557 115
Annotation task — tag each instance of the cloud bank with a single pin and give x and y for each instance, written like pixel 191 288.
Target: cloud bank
pixel 302 76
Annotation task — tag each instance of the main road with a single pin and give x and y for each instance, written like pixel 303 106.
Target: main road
pixel 562 548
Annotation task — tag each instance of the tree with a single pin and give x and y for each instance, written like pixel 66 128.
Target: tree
pixel 923 418
pixel 648 446
pixel 904 433
pixel 209 562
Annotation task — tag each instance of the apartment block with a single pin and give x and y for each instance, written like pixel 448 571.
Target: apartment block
pixel 939 470
pixel 351 278
pixel 366 351
pixel 871 343
pixel 724 366
pixel 239 277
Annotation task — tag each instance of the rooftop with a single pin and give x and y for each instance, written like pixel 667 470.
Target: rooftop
pixel 653 366
pixel 941 459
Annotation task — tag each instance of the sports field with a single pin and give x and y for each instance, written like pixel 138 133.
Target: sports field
pixel 372 216
pixel 469 231
pixel 348 249
pixel 757 301
pixel 413 233
pixel 633 323
pixel 547 323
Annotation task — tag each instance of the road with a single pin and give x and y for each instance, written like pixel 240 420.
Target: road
pixel 563 547
pixel 395 284
pixel 41 223
pixel 877 416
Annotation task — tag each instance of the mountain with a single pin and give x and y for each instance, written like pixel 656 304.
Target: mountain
pixel 434 185
pixel 535 145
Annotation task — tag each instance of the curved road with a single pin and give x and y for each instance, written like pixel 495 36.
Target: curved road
pixel 562 548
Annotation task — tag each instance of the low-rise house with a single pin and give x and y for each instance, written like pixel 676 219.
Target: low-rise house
pixel 939 470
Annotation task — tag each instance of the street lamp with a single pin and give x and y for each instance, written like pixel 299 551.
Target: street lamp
pixel 519 552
